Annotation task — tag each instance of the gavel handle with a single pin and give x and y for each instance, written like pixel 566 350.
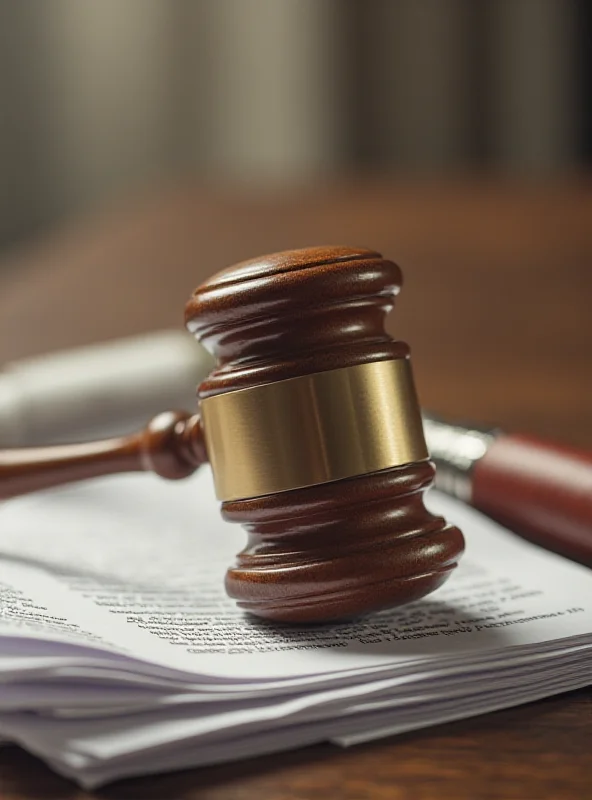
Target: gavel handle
pixel 172 445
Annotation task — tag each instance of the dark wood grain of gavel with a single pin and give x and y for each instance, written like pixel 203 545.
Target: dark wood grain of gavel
pixel 316 552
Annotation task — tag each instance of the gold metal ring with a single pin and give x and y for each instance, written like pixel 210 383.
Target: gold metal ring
pixel 313 429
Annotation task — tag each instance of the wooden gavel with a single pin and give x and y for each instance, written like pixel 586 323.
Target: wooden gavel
pixel 312 427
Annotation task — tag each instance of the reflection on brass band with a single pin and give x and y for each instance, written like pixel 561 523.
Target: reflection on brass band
pixel 313 429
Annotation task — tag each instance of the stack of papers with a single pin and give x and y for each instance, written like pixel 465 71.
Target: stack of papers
pixel 121 655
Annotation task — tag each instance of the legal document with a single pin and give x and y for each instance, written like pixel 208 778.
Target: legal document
pixel 120 653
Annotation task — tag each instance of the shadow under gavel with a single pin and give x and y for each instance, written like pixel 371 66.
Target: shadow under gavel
pixel 312 427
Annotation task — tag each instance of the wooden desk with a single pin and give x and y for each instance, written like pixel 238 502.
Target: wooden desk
pixel 497 306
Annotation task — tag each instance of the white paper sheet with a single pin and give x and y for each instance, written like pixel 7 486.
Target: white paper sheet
pixel 120 654
pixel 131 568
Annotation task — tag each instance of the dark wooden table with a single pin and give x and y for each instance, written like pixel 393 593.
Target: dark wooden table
pixel 497 306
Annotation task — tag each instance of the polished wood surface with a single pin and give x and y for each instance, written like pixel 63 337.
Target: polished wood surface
pixel 496 303
pixel 496 308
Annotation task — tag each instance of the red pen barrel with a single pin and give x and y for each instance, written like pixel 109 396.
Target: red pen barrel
pixel 540 490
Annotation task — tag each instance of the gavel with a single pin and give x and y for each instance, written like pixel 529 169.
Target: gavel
pixel 312 428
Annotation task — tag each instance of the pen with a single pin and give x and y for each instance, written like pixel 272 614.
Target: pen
pixel 536 488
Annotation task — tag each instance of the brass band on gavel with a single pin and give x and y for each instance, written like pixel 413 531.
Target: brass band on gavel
pixel 299 432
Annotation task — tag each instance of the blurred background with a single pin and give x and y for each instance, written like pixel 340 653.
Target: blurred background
pixel 100 99
pixel 145 144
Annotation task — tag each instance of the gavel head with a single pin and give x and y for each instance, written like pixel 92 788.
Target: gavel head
pixel 314 434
